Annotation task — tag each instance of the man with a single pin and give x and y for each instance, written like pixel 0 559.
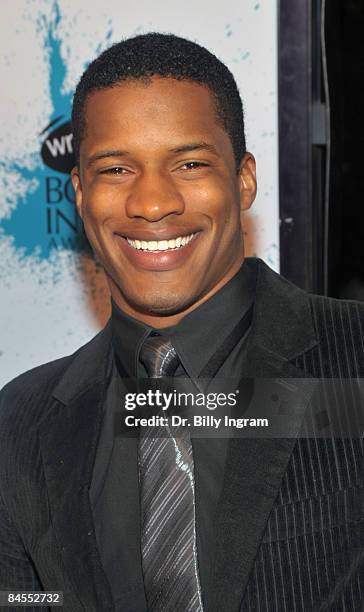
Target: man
pixel 161 182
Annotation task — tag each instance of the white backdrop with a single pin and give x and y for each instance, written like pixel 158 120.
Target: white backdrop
pixel 53 299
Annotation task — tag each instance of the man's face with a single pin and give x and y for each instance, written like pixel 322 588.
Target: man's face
pixel 160 197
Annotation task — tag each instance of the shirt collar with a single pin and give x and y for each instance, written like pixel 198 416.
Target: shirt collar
pixel 198 335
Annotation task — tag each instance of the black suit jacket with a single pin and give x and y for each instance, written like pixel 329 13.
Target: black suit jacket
pixel 290 520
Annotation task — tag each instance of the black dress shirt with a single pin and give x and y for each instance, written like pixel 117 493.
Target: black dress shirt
pixel 114 491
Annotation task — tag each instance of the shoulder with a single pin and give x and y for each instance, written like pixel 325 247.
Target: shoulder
pixel 28 400
pixel 334 327
pixel 34 382
pixel 339 328
pixel 23 405
pixel 24 400
pixel 336 316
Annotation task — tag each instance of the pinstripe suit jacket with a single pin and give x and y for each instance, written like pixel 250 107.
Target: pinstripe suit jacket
pixel 289 529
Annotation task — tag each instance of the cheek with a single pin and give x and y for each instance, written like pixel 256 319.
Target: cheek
pixel 101 206
pixel 222 207
pixel 226 228
pixel 95 219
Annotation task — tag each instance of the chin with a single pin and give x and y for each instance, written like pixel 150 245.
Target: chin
pixel 161 304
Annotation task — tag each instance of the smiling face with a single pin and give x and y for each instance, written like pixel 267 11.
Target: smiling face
pixel 160 197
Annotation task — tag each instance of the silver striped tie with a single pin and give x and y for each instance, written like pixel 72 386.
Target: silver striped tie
pixel 167 503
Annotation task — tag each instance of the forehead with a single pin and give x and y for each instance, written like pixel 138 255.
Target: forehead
pixel 159 105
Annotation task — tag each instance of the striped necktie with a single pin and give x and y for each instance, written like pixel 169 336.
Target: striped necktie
pixel 167 497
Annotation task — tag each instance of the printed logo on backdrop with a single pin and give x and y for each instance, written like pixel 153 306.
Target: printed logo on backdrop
pixel 62 223
pixel 45 218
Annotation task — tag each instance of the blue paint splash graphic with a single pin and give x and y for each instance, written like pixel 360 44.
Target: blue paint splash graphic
pixel 45 217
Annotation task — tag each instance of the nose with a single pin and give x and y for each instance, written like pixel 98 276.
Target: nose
pixel 154 196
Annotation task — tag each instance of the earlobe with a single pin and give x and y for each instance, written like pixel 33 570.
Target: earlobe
pixel 76 183
pixel 248 181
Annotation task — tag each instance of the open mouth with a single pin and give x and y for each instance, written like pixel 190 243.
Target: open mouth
pixel 161 245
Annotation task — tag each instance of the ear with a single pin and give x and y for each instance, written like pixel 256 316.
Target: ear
pixel 76 183
pixel 247 181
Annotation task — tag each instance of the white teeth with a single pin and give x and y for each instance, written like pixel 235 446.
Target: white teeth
pixel 160 245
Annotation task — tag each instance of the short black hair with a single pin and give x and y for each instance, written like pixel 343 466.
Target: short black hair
pixel 164 55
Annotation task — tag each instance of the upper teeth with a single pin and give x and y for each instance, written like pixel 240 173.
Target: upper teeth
pixel 160 245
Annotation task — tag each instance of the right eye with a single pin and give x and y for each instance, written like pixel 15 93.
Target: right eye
pixel 116 170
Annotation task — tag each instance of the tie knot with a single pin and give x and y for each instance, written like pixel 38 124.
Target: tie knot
pixel 159 357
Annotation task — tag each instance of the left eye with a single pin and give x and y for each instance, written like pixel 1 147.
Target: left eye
pixel 193 165
pixel 116 170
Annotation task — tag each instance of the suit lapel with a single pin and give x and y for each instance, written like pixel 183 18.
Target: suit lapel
pixel 68 438
pixel 281 328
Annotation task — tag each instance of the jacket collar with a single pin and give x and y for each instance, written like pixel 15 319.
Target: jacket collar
pixel 282 319
pixel 90 365
pixel 282 329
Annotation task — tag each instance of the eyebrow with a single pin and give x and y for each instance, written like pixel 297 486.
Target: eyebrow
pixel 185 148
pixel 106 154
pixel 195 146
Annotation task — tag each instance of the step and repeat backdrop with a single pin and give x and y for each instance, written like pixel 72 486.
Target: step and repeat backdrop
pixel 53 295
